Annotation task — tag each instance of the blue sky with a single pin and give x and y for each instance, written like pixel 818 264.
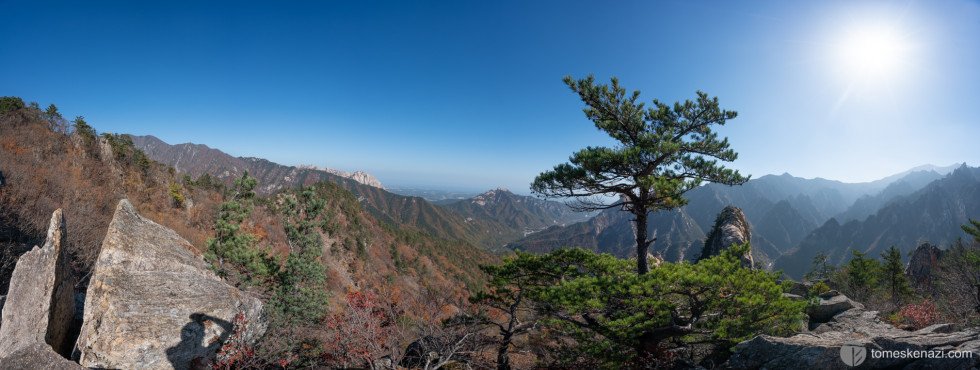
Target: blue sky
pixel 468 95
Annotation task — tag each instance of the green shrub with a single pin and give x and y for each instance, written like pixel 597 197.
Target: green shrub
pixel 10 103
pixel 818 289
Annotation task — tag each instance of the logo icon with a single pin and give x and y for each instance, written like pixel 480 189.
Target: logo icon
pixel 853 353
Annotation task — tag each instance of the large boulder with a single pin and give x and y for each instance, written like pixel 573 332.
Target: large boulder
pixel 924 260
pixel 40 302
pixel 730 227
pixel 37 356
pixel 151 303
pixel 831 303
pixel 825 347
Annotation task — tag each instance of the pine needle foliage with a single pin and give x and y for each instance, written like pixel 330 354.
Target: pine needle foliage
pixel 616 317
pixel 301 294
pixel 661 153
pixel 233 250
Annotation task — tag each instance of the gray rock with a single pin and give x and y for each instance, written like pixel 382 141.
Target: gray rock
pixel 821 348
pixel 800 289
pixel 37 356
pixel 857 320
pixel 937 328
pixel 151 303
pixel 384 363
pixel 40 305
pixel 831 303
pixel 730 227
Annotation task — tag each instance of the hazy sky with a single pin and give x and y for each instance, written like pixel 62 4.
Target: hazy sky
pixel 468 95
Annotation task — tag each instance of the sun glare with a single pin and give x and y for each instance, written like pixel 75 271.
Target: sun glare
pixel 872 53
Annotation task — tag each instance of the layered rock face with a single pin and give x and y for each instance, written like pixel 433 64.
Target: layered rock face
pixel 40 303
pixel 151 303
pixel 924 259
pixel 820 347
pixel 730 227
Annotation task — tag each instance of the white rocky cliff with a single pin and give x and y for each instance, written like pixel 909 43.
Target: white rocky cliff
pixel 359 176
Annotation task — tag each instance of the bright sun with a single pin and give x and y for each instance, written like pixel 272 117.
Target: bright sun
pixel 872 53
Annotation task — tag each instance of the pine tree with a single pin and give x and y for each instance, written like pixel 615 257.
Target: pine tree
pixel 973 231
pixel 234 246
pixel 301 295
pixel 893 274
pixel 617 316
pixel 859 276
pixel 662 152
pixel 82 128
pixel 821 269
pixel 505 305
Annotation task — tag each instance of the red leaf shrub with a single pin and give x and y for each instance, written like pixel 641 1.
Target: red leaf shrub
pixel 362 334
pixel 919 315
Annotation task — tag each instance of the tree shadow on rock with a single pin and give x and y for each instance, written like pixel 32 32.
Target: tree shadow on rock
pixel 192 352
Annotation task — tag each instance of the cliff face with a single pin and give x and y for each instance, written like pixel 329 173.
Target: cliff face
pixel 924 260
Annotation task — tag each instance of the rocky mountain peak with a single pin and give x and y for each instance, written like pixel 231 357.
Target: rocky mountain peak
pixel 359 176
pixel 730 227
pixel 490 196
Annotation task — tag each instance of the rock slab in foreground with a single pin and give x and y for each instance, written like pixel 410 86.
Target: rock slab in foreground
pixel 831 304
pixel 40 302
pixel 821 348
pixel 151 303
pixel 37 356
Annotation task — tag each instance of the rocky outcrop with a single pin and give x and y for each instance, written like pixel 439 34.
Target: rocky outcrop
pixel 828 344
pixel 40 302
pixel 831 303
pixel 37 356
pixel 359 176
pixel 151 303
pixel 924 260
pixel 730 227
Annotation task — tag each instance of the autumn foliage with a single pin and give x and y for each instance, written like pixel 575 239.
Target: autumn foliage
pixel 364 332
pixel 919 315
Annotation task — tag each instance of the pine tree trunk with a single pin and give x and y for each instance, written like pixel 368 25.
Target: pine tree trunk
pixel 503 361
pixel 642 267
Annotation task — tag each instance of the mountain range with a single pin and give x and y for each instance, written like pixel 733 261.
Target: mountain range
pixel 791 217
pixel 461 220
pixel 932 214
